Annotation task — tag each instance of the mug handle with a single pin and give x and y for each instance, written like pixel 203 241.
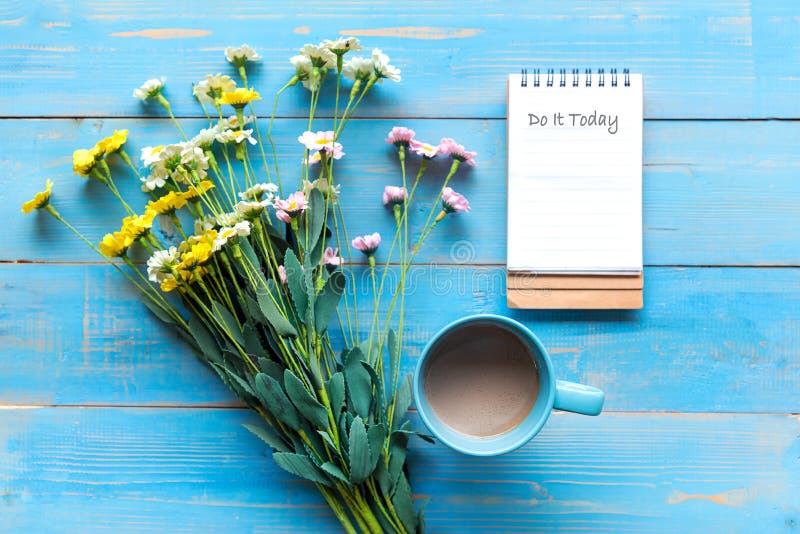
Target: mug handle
pixel 578 398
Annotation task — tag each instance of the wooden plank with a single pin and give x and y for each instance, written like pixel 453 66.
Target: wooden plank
pixel 709 339
pixel 189 470
pixel 715 192
pixel 717 59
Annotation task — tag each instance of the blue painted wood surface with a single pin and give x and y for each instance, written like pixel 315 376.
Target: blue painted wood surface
pixel 715 192
pixel 107 421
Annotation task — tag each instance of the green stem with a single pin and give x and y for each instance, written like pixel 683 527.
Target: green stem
pixel 165 104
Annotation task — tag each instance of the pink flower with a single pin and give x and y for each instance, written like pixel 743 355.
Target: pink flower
pixel 282 274
pixel 320 142
pixel 367 244
pixel 424 149
pixel 400 136
pixel 393 195
pixel 331 257
pixel 448 146
pixel 294 205
pixel 453 202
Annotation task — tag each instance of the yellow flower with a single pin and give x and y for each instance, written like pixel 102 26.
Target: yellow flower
pixel 136 226
pixel 111 144
pixel 168 285
pixel 39 200
pixel 167 204
pixel 197 190
pixel 240 97
pixel 115 244
pixel 83 160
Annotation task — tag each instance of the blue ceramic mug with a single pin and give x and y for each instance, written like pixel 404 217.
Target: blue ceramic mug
pixel 558 394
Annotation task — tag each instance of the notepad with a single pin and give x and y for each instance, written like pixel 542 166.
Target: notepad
pixel 575 178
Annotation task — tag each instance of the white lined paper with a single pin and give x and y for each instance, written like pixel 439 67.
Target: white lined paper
pixel 575 192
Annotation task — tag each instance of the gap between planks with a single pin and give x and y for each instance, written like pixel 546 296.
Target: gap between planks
pixel 236 406
pixel 376 118
pixel 443 264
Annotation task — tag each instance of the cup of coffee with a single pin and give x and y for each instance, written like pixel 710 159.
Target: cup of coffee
pixel 484 385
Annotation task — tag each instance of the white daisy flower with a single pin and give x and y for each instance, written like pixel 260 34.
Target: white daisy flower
pixel 303 69
pixel 232 123
pixel 342 45
pixel 239 55
pixel 358 68
pixel 257 192
pixel 150 88
pixel 382 68
pixel 242 228
pixel 202 225
pixel 209 90
pixel 194 159
pixel 158 265
pixel 237 136
pixel 226 233
pixel 227 219
pixel 248 209
pixel 324 188
pixel 319 56
pixel 204 138
pixel 150 154
pixel 153 182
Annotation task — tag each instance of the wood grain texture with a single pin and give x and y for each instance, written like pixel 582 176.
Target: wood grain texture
pixel 167 452
pixel 715 193
pixel 196 470
pixel 718 59
pixel 713 339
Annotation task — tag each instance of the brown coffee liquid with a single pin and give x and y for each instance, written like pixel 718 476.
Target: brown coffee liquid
pixel 481 380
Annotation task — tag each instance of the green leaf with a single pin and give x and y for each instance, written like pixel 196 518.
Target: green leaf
pixel 328 300
pixel 328 439
pixel 269 437
pixel 402 400
pixel 377 400
pixel 315 217
pixel 205 340
pixel 420 435
pixel 300 465
pixel 239 385
pixel 394 356
pixel 398 449
pixel 273 369
pixel 303 400
pixel 344 424
pixel 274 399
pixel 404 505
pixel 296 282
pixel 250 254
pixel 421 516
pixel 359 384
pixel 360 456
pixel 274 316
pixel 252 309
pixel 333 470
pixel 158 311
pixel 252 341
pixel 336 394
pixel 375 437
pixel 382 476
pixel 231 324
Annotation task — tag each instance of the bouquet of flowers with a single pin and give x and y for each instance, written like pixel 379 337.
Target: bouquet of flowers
pixel 258 278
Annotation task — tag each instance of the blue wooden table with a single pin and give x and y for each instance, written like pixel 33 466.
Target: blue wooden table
pixel 107 422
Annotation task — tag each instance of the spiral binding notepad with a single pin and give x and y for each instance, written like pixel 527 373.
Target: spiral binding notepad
pixel 575 188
